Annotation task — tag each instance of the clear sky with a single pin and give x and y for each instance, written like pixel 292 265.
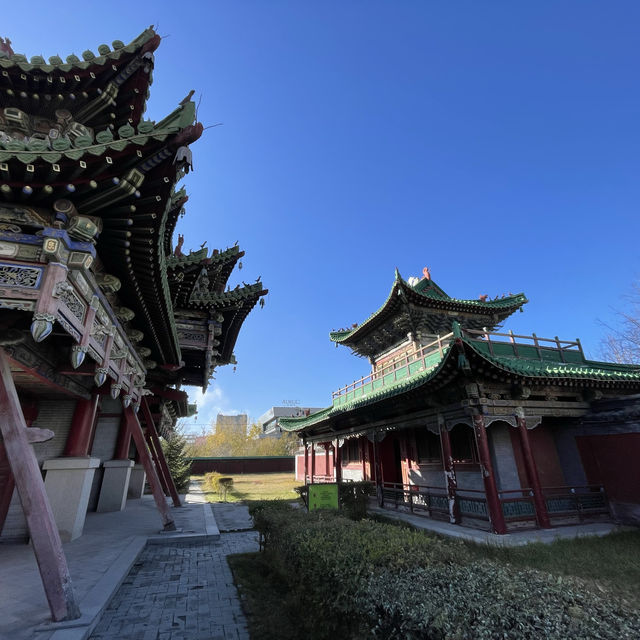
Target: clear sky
pixel 496 142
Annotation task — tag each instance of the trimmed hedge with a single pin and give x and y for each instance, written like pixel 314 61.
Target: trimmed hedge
pixel 366 579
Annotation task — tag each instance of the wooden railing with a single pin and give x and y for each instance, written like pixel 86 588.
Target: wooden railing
pixel 388 375
pixel 517 504
pixel 540 345
pixel 505 344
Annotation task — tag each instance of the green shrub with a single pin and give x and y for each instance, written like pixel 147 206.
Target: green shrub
pixel 363 579
pixel 210 481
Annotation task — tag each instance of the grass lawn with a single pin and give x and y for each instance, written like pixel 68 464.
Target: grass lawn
pixel 257 486
pixel 611 563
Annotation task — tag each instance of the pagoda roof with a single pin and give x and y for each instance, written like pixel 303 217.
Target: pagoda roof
pixel 422 307
pixel 129 183
pixel 114 81
pixel 191 274
pixel 513 369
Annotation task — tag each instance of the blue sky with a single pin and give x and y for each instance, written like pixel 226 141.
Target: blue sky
pixel 495 142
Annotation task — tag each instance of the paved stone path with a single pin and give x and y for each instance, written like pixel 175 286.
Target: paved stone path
pixel 180 592
pixel 232 516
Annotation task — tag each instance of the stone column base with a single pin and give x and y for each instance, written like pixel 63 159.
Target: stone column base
pixel 68 485
pixel 115 484
pixel 136 482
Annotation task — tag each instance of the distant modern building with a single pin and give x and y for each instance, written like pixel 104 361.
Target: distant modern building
pixel 232 424
pixel 270 421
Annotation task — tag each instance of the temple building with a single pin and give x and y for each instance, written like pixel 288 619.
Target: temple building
pixel 460 420
pixel 102 317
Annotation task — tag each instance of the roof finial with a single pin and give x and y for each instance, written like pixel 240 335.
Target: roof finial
pixel 426 274
pixel 5 45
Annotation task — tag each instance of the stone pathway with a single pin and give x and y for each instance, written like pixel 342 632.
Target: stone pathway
pixel 232 516
pixel 180 592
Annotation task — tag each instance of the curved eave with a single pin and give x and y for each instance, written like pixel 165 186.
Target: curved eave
pixel 591 373
pixel 234 317
pixel 403 293
pixel 124 68
pixel 90 62
pixel 509 370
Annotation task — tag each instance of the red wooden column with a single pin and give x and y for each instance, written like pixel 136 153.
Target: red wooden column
pixel 532 471
pixel 82 425
pixel 306 460
pixel 338 460
pixel 333 462
pixel 313 461
pixel 156 462
pixel 363 448
pixel 152 477
pixel 164 467
pixel 494 506
pixel 449 474
pixel 45 538
pixel 326 446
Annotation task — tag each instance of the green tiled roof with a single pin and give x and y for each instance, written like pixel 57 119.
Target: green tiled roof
pixel 427 293
pixel 29 152
pixel 228 298
pixel 579 370
pixel 196 257
pixel 105 55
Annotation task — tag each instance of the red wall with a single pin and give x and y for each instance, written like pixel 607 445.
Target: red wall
pixel 613 461
pixel 282 464
pixel 545 454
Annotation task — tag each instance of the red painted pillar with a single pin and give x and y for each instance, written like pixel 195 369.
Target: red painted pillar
pixel 45 538
pixel 306 460
pixel 156 462
pixel 333 462
pixel 326 446
pixel 532 471
pixel 494 506
pixel 449 475
pixel 82 425
pixel 164 467
pixel 338 458
pixel 124 441
pixel 152 476
pixel 363 448
pixel 313 461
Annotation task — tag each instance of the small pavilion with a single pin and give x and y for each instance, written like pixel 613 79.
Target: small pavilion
pixel 461 420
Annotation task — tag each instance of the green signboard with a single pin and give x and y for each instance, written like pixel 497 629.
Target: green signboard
pixel 323 496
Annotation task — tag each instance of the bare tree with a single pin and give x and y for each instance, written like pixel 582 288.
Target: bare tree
pixel 622 344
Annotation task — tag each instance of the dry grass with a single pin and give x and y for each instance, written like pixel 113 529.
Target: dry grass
pixel 258 486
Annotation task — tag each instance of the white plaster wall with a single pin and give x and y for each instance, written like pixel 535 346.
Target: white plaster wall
pixel 104 444
pixel 352 474
pixel 55 415
pixel 502 457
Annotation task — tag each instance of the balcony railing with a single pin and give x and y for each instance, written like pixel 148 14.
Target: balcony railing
pixel 493 343
pixel 518 346
pixel 424 358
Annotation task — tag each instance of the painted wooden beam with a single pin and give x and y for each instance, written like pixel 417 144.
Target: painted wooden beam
pixel 45 538
pixel 151 429
pixel 147 463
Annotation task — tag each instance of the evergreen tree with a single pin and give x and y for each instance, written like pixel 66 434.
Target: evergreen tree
pixel 175 454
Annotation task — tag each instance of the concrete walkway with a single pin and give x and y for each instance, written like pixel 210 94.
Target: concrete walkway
pixel 100 560
pixel 514 539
